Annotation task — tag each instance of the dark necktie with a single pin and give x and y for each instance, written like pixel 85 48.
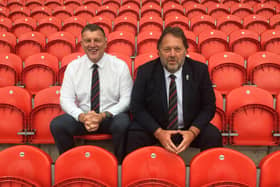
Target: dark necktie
pixel 172 109
pixel 95 89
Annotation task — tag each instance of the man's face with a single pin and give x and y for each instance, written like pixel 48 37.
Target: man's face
pixel 94 44
pixel 172 53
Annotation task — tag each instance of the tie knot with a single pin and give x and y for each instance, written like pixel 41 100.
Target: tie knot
pixel 172 77
pixel 95 66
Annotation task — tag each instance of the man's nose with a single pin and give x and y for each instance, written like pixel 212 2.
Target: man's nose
pixel 172 52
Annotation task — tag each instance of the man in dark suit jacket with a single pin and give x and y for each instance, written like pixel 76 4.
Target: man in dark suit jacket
pixel 195 100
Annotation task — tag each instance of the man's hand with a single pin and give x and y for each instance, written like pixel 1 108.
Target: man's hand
pixel 188 137
pixel 164 137
pixel 91 120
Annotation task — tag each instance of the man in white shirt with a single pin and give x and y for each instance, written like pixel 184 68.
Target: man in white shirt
pixel 78 95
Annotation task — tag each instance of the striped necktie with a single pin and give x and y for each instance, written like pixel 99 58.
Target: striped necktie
pixel 172 109
pixel 95 89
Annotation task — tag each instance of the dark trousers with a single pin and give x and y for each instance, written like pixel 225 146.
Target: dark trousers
pixel 209 137
pixel 65 127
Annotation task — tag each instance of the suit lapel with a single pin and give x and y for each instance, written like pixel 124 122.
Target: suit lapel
pixel 160 81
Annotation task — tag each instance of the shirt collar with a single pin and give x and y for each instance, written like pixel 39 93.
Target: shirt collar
pixel 178 73
pixel 100 63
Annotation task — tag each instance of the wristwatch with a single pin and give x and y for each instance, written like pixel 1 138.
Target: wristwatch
pixel 108 114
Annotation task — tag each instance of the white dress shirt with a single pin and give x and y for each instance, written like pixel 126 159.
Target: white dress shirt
pixel 179 88
pixel 115 86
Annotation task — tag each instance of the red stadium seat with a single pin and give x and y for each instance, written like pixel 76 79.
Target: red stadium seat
pixel 169 3
pixel 266 10
pixel 211 42
pixel 220 164
pixel 195 9
pixel 15 106
pixel 121 42
pixel 202 23
pixel 7 42
pixel 192 41
pixel 150 2
pixel 17 181
pixel 274 3
pixel 90 162
pixel 227 71
pixel 92 4
pixel 209 3
pixel 48 26
pixel 53 4
pixel 33 3
pixel 10 69
pixel 142 59
pixel 74 25
pixel 27 162
pixel 12 4
pixel 196 56
pixel 72 4
pixel 64 62
pixel 147 42
pixel 5 24
pixel 151 24
pixel 241 10
pixel 155 167
pixel 251 3
pixel 40 72
pixel 270 41
pixel 230 3
pixel 40 12
pixel 60 44
pixel 244 42
pixel 103 22
pixel 112 3
pixel 250 111
pixel 177 21
pixel 256 23
pixel 107 11
pixel 129 10
pixel 229 23
pixel 4 12
pixel 264 71
pixel 23 25
pixel 187 3
pixel 85 12
pixel 62 12
pixel 46 107
pixel 19 12
pixel 126 23
pixel 150 10
pixel 131 3
pixel 218 10
pixel 274 22
pixel 30 43
pixel 173 9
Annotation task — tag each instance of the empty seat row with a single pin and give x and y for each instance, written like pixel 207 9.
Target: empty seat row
pixel 95 166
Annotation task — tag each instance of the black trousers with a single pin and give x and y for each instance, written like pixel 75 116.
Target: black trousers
pixel 65 127
pixel 209 137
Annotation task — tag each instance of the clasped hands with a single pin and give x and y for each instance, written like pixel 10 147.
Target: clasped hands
pixel 164 137
pixel 91 120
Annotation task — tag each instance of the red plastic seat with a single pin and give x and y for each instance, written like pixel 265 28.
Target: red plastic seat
pixel 155 167
pixel 169 3
pixel 80 182
pixel 15 106
pixel 17 181
pixel 103 22
pixel 64 62
pixel 72 4
pixel 187 3
pixel 74 25
pixel 142 59
pixel 7 42
pixel 62 12
pixel 229 23
pixel 211 42
pixel 13 4
pixel 28 162
pixel 23 25
pixel 227 71
pixel 121 42
pixel 270 41
pixel 150 2
pixel 192 41
pixel 129 10
pixel 10 69
pixel 19 12
pixel 107 11
pixel 40 72
pixel 147 42
pixel 177 21
pixel 92 4
pixel 241 10
pixel 150 10
pixel 5 24
pixel 89 162
pixel 250 111
pixel 196 56
pixel 85 12
pixel 230 3
pixel 264 71
pixel 266 10
pixel 173 9
pixel 112 3
pixel 244 42
pixel 195 9
pixel 131 2
pixel 274 3
pixel 126 23
pixel 218 10
pixel 4 12
pixel 33 3
pixel 209 3
pixel 40 12
pixel 269 166
pixel 48 26
pixel 30 43
pixel 256 23
pixel 46 108
pixel 151 24
pixel 53 4
pixel 60 44
pixel 274 22
pixel 222 164
pixel 202 23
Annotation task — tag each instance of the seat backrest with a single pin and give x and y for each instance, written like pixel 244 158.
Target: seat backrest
pixel 89 162
pixel 222 164
pixel 153 163
pixel 26 161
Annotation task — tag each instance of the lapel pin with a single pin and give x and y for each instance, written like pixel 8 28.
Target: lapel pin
pixel 187 77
